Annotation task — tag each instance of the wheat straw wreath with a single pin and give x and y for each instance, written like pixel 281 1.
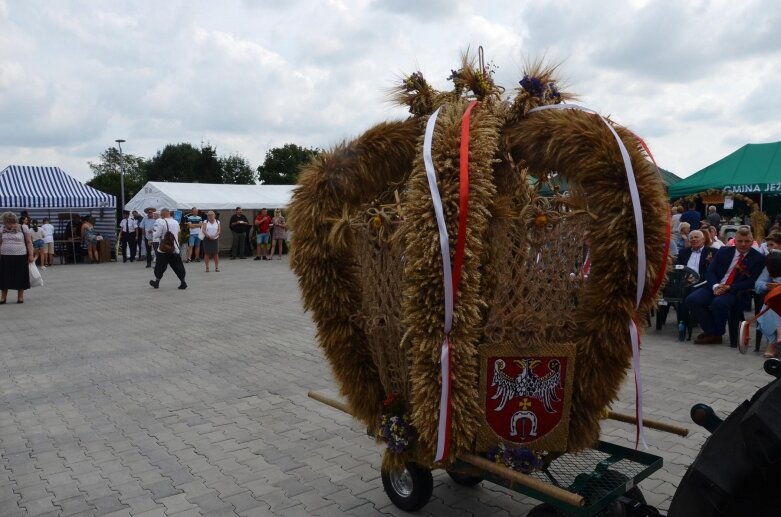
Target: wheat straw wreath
pixel 366 250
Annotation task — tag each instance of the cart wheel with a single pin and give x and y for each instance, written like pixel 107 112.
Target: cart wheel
pixel 635 494
pixel 409 489
pixel 744 337
pixel 464 479
pixel 545 510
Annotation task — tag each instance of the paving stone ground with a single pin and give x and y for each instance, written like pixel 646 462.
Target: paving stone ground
pixel 120 400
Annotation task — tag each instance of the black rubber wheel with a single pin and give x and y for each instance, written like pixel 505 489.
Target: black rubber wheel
pixel 545 510
pixel 464 479
pixel 409 489
pixel 635 494
pixel 616 508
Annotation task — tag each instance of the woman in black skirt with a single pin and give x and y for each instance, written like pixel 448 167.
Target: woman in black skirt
pixel 210 234
pixel 16 252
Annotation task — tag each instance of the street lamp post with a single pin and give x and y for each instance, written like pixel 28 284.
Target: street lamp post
pixel 121 173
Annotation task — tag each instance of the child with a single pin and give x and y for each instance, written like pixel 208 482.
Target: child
pixel 770 322
pixel 36 234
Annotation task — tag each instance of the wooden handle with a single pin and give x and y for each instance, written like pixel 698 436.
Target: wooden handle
pixel 649 423
pixel 523 479
pixel 336 404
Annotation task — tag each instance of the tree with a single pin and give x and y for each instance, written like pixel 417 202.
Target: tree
pixel 186 164
pixel 107 175
pixel 237 171
pixel 282 164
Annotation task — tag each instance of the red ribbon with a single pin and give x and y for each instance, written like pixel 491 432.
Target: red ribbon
pixel 666 253
pixel 458 262
pixel 463 201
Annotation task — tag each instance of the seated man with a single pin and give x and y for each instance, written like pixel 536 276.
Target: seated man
pixel 698 257
pixel 733 269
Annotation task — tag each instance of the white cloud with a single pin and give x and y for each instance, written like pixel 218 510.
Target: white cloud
pixel 697 78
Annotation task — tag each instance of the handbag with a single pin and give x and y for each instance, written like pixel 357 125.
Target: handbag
pixel 36 280
pixel 168 241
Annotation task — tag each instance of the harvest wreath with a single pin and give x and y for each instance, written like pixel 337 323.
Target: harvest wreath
pixel 435 272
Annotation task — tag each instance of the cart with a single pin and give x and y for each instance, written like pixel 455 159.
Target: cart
pixel 461 309
pixel 578 484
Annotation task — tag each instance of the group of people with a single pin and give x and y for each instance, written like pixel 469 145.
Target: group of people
pixel 196 236
pixel 727 272
pixel 270 234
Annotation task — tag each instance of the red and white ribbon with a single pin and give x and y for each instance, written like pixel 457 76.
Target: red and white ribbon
pixel 451 276
pixel 641 260
pixel 443 436
pixel 668 228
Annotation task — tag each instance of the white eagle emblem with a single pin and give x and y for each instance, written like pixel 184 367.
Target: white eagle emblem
pixel 527 383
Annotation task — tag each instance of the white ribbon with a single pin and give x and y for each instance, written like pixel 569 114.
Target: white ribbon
pixel 444 244
pixel 641 258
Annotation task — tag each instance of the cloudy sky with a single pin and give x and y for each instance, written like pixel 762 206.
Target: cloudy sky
pixel 697 79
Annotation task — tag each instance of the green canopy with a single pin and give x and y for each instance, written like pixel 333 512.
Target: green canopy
pixel 754 168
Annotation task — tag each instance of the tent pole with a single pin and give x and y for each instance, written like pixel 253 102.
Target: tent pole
pixel 73 243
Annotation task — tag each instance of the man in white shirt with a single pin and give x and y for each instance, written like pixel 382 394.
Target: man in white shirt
pixel 166 224
pixel 697 257
pixel 48 242
pixel 148 229
pixel 127 238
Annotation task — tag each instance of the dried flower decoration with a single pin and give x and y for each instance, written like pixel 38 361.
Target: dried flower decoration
pixel 520 458
pixel 547 92
pixel 394 427
pixel 479 80
pixel 415 92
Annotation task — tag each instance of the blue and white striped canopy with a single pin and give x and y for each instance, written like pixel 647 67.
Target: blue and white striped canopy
pixel 48 187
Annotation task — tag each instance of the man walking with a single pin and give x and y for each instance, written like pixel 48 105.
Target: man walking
pixel 239 226
pixel 166 224
pixel 127 238
pixel 262 223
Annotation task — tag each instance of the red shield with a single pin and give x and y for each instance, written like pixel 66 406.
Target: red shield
pixel 524 396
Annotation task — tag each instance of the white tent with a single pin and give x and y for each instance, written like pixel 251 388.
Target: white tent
pixel 209 196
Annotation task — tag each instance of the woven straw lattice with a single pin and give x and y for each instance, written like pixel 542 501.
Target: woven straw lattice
pixel 537 278
pixel 380 260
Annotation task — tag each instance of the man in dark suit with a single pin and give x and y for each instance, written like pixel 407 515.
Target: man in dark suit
pixel 692 216
pixel 733 269
pixel 697 257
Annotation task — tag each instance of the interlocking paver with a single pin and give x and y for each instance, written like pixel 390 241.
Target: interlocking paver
pixel 207 413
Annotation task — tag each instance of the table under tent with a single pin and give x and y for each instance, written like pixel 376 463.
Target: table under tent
pixel 50 192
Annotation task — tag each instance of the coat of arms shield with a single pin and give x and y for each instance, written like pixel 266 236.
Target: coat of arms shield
pixel 525 397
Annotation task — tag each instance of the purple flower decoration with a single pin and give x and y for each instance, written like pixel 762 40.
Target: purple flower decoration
pixel 397 432
pixel 414 82
pixel 519 458
pixel 533 85
pixel 536 88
